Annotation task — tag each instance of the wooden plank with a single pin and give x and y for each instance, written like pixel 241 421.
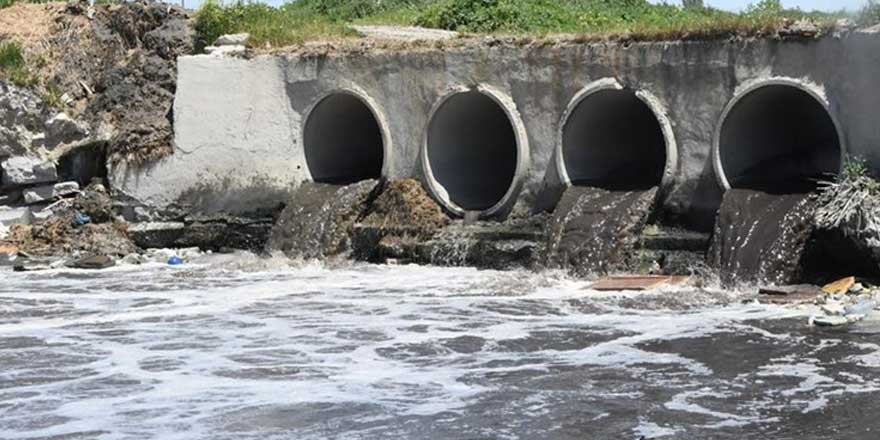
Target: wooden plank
pixel 795 298
pixel 789 295
pixel 796 289
pixel 840 286
pixel 636 282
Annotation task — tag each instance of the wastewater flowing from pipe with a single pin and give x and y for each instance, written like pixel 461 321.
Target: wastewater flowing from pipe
pixel 762 237
pixel 595 230
pixel 317 220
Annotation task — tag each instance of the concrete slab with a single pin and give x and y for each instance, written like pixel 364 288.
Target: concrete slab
pixel 404 33
pixel 14 216
pixel 46 193
pixel 20 170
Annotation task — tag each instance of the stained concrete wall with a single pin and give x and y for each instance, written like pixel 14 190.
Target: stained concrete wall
pixel 237 143
pixel 238 123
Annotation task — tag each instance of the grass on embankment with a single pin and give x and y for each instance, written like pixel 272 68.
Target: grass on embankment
pixel 305 20
pixel 17 69
pixel 13 66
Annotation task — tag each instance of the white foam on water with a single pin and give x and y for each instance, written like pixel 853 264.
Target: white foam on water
pixel 683 402
pixel 651 430
pixel 190 348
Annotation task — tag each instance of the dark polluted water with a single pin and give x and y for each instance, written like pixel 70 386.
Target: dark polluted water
pixel 239 348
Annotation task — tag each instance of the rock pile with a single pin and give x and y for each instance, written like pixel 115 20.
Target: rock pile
pixel 30 191
pixel 232 44
pixel 318 220
pixel 74 225
pixel 846 301
pixel 841 302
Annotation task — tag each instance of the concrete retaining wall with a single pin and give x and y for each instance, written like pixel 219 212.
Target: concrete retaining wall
pixel 239 122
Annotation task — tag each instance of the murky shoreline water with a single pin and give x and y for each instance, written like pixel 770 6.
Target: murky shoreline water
pixel 238 348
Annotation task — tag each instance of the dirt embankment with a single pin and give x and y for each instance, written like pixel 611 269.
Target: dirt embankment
pixel 81 85
pixel 110 66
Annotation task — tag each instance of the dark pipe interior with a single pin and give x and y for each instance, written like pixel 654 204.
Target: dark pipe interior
pixel 343 142
pixel 613 140
pixel 472 150
pixel 778 139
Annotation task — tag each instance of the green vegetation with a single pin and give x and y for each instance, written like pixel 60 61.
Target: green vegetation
pixel 278 26
pixel 637 19
pixel 13 66
pixel 870 13
pixel 304 20
pixel 294 22
pixel 52 97
pixel 18 69
pixel 11 56
pixel 8 3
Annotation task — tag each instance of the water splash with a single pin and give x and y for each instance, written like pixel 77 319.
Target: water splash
pixel 595 230
pixel 761 237
pixel 316 222
pixel 229 347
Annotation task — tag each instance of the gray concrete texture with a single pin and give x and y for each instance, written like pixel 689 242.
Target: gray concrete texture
pixel 647 110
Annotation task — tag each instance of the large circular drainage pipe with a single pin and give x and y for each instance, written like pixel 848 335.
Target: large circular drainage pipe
pixel 475 152
pixel 615 138
pixel 778 136
pixel 345 139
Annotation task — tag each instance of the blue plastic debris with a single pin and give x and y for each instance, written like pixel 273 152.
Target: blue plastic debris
pixel 81 219
pixel 175 261
pixel 861 308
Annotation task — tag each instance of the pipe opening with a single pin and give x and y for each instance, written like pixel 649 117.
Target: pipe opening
pixel 613 140
pixel 778 138
pixel 343 141
pixel 472 151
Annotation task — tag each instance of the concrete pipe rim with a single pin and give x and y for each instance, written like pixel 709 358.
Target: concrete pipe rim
pixel 815 91
pixel 375 109
pixel 508 106
pixel 646 97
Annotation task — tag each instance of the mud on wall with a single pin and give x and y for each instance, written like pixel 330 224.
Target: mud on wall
pixel 239 123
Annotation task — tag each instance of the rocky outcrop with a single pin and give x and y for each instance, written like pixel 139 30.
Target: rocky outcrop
pixel 215 234
pixel 22 171
pixel 111 71
pixel 30 128
pixel 134 95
